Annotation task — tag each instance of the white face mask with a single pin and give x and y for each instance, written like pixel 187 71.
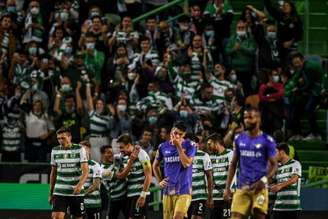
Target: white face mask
pixel 233 77
pixel 35 10
pixel 64 16
pixel 275 78
pixel 132 76
pixel 184 27
pixel 241 33
pixel 121 108
pixel 272 35
pixel 90 45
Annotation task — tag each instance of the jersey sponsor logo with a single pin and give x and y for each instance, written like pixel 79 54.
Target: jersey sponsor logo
pixel 258 146
pixel 248 153
pixel 172 159
pixel 242 144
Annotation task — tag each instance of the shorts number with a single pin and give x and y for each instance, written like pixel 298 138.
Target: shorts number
pixel 226 213
pixel 200 207
pixel 82 206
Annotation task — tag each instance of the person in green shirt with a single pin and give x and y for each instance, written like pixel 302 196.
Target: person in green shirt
pixel 307 83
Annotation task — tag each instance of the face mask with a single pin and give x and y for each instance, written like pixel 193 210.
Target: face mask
pixel 68 50
pixel 32 51
pixel 183 114
pixel 35 10
pixel 132 76
pixel 210 33
pixel 241 33
pixel 34 87
pixel 271 35
pixel 94 13
pixel 37 113
pixel 184 27
pixel 12 9
pixel 152 120
pixel 66 88
pixel 71 110
pixel 64 16
pixel 233 77
pixel 99 112
pixel 90 45
pixel 276 78
pixel 121 108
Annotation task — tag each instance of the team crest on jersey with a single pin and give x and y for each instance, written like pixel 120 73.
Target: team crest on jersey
pixel 258 146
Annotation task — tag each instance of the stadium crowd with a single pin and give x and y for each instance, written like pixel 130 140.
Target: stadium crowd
pixel 84 65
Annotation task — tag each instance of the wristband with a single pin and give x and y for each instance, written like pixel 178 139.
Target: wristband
pixel 264 179
pixel 143 194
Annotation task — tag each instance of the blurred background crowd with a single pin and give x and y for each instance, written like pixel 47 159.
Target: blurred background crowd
pixel 85 65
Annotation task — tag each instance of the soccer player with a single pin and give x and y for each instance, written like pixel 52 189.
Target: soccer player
pixel 92 198
pixel 220 158
pixel 138 173
pixel 69 171
pixel 202 183
pixel 255 152
pixel 177 155
pixel 116 187
pixel 287 203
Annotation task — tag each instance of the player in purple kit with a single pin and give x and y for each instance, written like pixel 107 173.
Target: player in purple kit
pixel 255 152
pixel 177 155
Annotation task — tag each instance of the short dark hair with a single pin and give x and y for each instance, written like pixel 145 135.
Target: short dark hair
pixel 180 125
pixel 216 137
pixel 295 54
pixel 283 147
pixel 144 38
pixel 125 139
pixel 104 148
pixel 85 143
pixel 63 130
pixel 147 129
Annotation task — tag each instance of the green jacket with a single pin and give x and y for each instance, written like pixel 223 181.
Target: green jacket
pixel 94 64
pixel 314 75
pixel 242 60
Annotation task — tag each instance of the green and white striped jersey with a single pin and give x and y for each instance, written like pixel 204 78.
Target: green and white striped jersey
pixel 220 163
pixel 219 87
pixel 11 136
pixel 93 200
pixel 136 176
pixel 201 106
pixel 200 164
pixel 115 187
pixel 158 99
pixel 68 162
pixel 99 124
pixel 288 199
pixel 183 85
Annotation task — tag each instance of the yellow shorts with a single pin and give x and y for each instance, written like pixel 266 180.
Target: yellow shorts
pixel 175 203
pixel 245 201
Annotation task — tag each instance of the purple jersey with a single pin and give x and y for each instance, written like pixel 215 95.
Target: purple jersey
pixel 179 178
pixel 253 157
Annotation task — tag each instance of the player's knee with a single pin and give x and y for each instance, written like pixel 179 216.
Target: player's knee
pixel 236 215
pixel 178 215
pixel 57 215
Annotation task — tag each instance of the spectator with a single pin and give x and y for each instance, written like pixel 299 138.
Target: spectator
pixel 218 81
pixel 93 58
pixel 290 27
pixel 183 34
pixel 38 128
pixel 271 102
pixel 7 36
pixel 69 113
pixel 33 28
pixel 205 102
pixel 241 49
pixel 100 123
pixel 308 76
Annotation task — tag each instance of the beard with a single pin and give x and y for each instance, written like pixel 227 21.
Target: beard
pixel 250 126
